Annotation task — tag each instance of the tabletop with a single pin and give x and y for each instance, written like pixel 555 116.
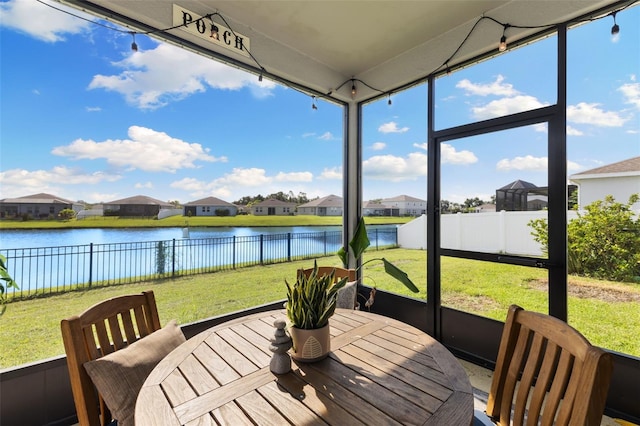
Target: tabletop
pixel 379 371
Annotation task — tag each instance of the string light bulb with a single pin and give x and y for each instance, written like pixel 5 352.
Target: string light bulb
pixel 313 103
pixel 134 46
pixel 214 32
pixel 389 101
pixel 615 29
pixel 354 91
pixel 502 46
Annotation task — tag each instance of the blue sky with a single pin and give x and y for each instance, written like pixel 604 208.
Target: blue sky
pixel 86 118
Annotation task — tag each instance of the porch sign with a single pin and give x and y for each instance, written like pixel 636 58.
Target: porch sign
pixel 201 28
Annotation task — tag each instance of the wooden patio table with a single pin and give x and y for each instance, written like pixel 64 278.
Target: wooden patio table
pixel 380 371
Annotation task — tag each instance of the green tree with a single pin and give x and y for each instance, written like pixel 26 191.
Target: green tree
pixel 603 243
pixel 66 214
pixel 6 282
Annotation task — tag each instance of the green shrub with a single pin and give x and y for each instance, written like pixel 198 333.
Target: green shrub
pixel 603 243
pixel 66 214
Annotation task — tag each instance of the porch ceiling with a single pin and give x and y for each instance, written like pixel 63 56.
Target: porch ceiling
pixel 323 44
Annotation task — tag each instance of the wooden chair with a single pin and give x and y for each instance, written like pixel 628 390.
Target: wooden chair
pixel 563 379
pixel 102 329
pixel 346 295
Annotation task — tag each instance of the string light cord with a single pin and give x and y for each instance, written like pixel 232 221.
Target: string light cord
pixel 160 30
pixel 444 65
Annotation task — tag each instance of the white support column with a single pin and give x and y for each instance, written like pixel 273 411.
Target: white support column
pixel 352 173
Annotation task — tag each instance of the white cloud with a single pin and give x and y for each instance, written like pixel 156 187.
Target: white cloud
pixel 146 185
pixel 238 180
pixel 334 173
pixel 528 162
pixel 497 88
pixel 152 78
pixel 93 109
pixel 571 131
pixel 378 146
pixel 506 106
pixel 326 136
pixel 146 149
pixel 294 177
pixel 449 155
pixel 631 93
pixel 308 135
pixel 392 127
pixel 589 113
pixel 18 182
pixel 394 168
pixel 40 21
pixel 572 166
pixel 101 197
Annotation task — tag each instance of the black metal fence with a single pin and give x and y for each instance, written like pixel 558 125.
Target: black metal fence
pixel 49 270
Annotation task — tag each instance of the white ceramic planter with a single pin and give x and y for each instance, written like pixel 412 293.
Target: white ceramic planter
pixel 310 345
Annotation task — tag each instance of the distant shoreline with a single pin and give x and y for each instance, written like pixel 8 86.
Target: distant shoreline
pixel 200 222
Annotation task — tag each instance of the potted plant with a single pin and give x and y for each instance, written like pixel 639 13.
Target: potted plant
pixel 358 245
pixel 8 282
pixel 311 301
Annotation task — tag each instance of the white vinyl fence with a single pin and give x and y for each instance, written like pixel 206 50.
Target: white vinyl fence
pixel 494 232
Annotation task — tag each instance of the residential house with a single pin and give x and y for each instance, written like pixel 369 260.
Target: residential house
pixel 376 208
pixel 520 195
pixel 37 206
pixel 406 205
pixel 619 179
pixel 331 205
pixel 273 207
pixel 210 206
pixel 138 205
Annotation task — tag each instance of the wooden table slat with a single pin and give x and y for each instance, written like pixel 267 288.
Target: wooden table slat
pixel 363 410
pixel 407 361
pixel 197 375
pixel 205 420
pixel 355 333
pixel 214 363
pixel 177 388
pixel 259 410
pixel 231 415
pixel 292 386
pixel 152 404
pixel 253 353
pixel 389 371
pixel 297 414
pixel 386 388
pixel 231 356
pixel 222 395
pixel 381 339
pixel 453 413
pixel 357 380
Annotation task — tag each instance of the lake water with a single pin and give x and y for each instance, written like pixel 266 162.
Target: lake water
pixel 30 238
pixel 55 260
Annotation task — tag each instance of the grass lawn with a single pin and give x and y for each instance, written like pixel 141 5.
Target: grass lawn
pixel 606 312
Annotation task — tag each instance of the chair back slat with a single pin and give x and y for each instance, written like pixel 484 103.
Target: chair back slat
pixel 128 326
pixel 558 386
pixel 101 329
pixel 547 373
pixel 515 367
pixel 543 381
pixel 141 322
pixel 104 342
pixel 528 378
pixel 117 340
